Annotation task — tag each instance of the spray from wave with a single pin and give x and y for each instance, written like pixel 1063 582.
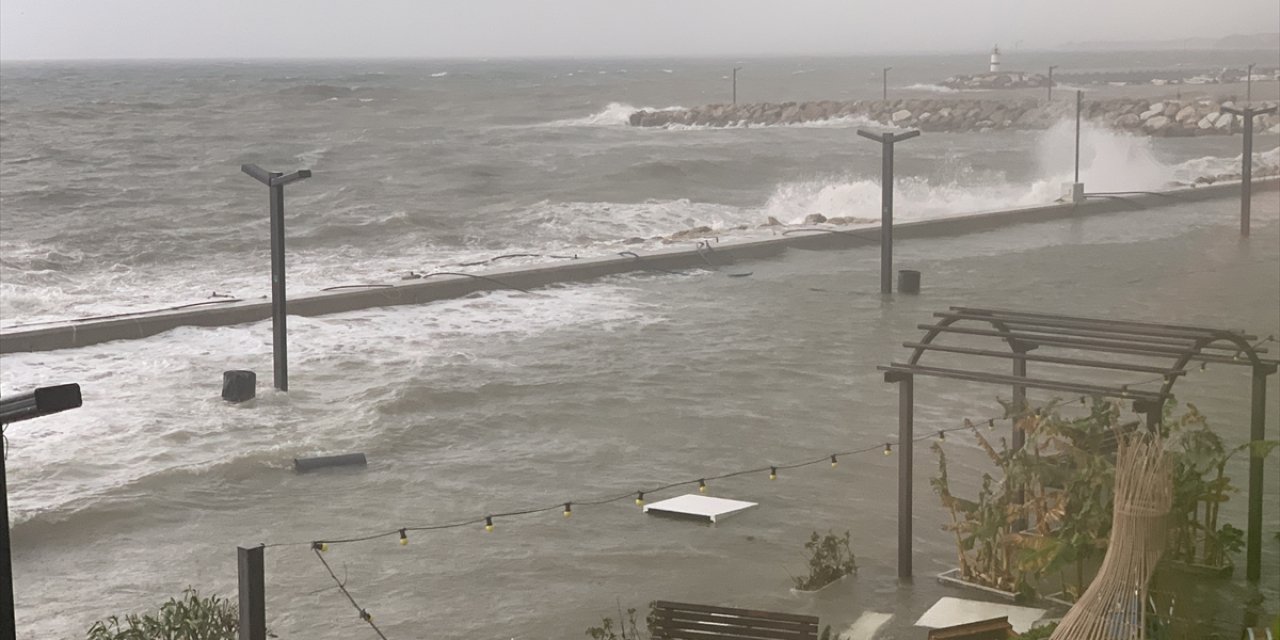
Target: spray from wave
pixel 1110 161
pixel 614 114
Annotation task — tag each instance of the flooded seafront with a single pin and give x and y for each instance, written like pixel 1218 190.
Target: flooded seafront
pixel 503 401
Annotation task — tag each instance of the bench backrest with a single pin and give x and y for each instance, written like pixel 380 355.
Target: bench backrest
pixel 682 621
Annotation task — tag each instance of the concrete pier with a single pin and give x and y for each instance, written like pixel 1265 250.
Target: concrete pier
pixel 71 334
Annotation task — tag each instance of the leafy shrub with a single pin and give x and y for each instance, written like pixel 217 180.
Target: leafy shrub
pixel 627 628
pixel 830 559
pixel 190 617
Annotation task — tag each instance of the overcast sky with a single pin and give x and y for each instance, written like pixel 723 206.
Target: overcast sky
pixel 51 29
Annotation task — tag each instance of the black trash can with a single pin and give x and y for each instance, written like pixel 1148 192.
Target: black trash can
pixel 908 281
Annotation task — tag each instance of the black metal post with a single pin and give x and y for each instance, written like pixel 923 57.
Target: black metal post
pixel 1079 104
pixel 1019 437
pixel 275 182
pixel 1257 433
pixel 1246 163
pixel 906 434
pixel 735 85
pixel 253 593
pixel 1051 68
pixel 1248 85
pixel 8 619
pixel 41 402
pixel 884 83
pixel 887 139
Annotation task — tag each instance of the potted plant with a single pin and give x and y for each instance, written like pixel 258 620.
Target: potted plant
pixel 1199 542
pixel 830 560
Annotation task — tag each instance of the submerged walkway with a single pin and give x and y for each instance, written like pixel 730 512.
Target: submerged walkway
pixel 78 333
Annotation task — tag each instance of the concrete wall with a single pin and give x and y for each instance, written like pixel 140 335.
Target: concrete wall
pixel 71 334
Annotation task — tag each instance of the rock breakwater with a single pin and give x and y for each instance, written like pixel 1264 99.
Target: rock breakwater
pixel 1168 117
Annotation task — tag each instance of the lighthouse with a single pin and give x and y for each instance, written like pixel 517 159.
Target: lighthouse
pixel 995 59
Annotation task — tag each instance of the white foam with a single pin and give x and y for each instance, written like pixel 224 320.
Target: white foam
pixel 933 88
pixel 152 409
pixel 614 114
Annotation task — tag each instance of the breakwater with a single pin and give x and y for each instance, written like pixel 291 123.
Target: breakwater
pixel 1168 117
pixel 708 252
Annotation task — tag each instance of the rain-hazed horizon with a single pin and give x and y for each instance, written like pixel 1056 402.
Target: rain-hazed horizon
pixel 152 29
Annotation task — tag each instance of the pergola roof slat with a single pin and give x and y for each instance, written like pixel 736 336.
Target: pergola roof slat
pixel 1085 329
pixel 1037 383
pixel 1106 322
pixel 1077 362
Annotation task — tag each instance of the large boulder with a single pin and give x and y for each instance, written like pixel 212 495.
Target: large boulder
pixel 1128 121
pixel 1185 114
pixel 900 115
pixel 815 218
pixel 1225 120
pixel 1156 124
pixel 1208 121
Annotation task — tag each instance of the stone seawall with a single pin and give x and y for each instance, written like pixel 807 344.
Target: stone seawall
pixel 1171 117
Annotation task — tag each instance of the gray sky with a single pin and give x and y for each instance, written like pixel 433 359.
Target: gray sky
pixel 44 29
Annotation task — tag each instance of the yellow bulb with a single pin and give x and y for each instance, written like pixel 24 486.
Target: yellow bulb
pixel 488 527
pixel 702 486
pixel 404 541
pixel 639 502
pixel 773 476
pixel 568 514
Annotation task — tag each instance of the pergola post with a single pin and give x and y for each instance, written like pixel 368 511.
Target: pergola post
pixel 906 431
pixel 1257 433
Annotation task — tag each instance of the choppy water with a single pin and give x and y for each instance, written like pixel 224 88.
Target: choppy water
pixel 120 183
pixel 120 189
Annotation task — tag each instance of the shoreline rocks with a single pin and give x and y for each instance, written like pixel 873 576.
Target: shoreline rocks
pixel 1160 117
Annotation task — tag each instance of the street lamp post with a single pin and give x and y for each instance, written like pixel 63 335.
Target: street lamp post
pixel 41 402
pixel 1248 84
pixel 1246 161
pixel 887 140
pixel 884 83
pixel 1051 68
pixel 276 181
pixel 735 85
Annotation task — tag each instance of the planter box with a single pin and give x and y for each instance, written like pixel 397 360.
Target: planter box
pixel 952 577
pixel 1200 570
pixel 823 587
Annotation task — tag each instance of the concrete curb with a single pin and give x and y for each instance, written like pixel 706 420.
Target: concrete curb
pixel 71 334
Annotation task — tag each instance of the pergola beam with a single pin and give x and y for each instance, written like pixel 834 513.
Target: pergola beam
pixel 1029 357
pixel 1035 383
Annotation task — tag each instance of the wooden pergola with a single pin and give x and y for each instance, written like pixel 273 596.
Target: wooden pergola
pixel 1079 347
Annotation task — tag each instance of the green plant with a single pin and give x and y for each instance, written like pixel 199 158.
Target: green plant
pixel 627 628
pixel 830 558
pixel 1201 486
pixel 1039 633
pixel 190 617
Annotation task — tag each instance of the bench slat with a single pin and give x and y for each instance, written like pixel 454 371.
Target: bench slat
pixel 745 613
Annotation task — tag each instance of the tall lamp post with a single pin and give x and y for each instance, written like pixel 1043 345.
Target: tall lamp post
pixel 1248 84
pixel 887 140
pixel 1051 68
pixel 1246 161
pixel 41 402
pixel 884 83
pixel 735 84
pixel 276 181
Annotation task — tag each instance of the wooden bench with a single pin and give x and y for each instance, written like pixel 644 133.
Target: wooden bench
pixel 682 621
pixel 993 629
